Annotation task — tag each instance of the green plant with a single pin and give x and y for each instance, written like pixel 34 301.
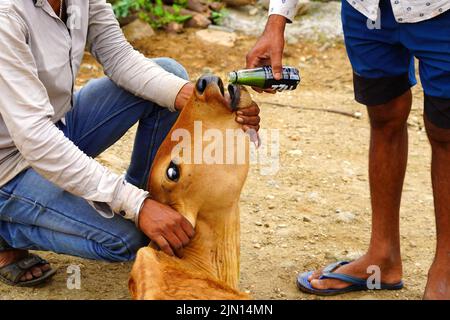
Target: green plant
pixel 125 8
pixel 217 16
pixel 151 11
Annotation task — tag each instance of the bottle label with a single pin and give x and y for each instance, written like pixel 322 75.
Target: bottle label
pixel 289 81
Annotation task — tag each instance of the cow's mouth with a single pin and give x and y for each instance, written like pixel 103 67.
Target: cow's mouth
pixel 215 87
pixel 234 92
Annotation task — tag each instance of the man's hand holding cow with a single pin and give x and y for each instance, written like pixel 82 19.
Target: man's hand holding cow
pixel 167 228
pixel 249 117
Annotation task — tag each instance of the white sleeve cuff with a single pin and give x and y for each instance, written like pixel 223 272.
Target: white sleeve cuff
pixel 128 200
pixel 287 8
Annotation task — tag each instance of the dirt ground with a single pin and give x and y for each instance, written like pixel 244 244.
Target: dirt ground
pixel 314 210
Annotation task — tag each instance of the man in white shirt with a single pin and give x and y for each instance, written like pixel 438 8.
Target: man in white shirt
pixel 382 38
pixel 53 195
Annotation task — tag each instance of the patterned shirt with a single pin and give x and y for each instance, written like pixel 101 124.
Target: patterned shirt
pixel 405 11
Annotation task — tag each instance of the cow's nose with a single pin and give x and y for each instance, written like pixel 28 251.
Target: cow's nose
pixel 205 80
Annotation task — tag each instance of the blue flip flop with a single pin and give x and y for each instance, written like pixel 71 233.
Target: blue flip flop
pixel 357 284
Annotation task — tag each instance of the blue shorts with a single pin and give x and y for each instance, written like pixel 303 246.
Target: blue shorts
pixel 382 57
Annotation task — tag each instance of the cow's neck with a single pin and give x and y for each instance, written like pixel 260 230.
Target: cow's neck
pixel 215 248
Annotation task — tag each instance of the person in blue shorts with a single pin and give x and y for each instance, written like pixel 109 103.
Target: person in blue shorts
pixel 382 38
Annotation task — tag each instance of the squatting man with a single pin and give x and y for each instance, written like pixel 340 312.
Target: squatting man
pixel 54 196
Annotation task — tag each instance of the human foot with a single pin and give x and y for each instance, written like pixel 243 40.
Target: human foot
pixel 438 284
pixel 363 268
pixel 11 256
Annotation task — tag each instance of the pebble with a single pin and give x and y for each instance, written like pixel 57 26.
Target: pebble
pixel 207 70
pixel 330 256
pixel 253 11
pixel 271 206
pixel 313 197
pixel 345 217
pixel 217 37
pixel 198 21
pixel 174 27
pixel 138 30
pixel 259 224
pixel 295 152
pixel 306 219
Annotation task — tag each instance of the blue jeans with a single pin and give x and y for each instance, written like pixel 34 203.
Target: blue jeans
pixel 36 214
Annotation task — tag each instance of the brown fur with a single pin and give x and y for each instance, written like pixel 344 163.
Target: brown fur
pixel 208 196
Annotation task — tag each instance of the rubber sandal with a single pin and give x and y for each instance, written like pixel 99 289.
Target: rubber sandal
pixel 357 284
pixel 12 273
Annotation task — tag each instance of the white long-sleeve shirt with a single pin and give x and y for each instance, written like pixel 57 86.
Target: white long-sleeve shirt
pixel 405 11
pixel 39 61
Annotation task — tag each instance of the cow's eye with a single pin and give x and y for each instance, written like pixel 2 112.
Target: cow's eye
pixel 173 172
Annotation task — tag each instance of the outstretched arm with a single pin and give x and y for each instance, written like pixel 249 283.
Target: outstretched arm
pixel 268 50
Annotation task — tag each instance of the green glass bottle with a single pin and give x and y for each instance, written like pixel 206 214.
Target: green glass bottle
pixel 263 78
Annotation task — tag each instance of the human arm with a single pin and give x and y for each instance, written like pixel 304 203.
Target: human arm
pixel 269 48
pixel 124 65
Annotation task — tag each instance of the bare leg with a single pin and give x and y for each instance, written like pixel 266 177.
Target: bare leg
pixel 438 285
pixel 387 165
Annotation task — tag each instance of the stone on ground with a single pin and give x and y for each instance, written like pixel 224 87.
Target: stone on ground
pixel 222 38
pixel 137 30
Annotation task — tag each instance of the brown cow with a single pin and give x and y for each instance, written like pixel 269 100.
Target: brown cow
pixel 208 196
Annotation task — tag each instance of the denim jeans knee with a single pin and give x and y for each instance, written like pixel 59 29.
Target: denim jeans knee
pixel 124 248
pixel 172 66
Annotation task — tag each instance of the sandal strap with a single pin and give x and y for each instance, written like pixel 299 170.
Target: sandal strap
pixel 346 278
pixel 333 266
pixel 14 271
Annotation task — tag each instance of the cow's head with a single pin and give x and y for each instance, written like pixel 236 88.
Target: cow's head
pixel 199 168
